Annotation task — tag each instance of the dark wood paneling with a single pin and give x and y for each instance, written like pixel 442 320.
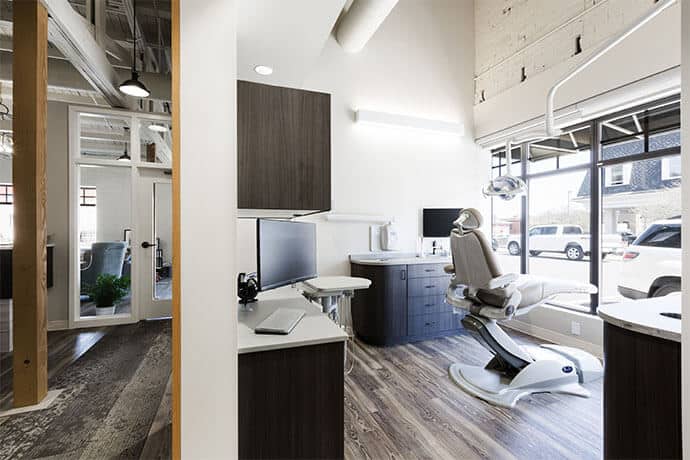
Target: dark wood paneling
pixel 379 314
pixel 426 325
pixel 291 403
pixel 642 401
pixel 428 304
pixel 418 287
pixel 283 148
pixel 6 271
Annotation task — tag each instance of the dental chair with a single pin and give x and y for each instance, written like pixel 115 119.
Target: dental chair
pixel 479 287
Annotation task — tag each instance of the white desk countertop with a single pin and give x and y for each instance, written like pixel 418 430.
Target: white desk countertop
pixel 315 328
pixel 398 259
pixel 644 316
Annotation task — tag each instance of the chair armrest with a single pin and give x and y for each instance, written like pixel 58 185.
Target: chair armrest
pixel 450 269
pixel 502 281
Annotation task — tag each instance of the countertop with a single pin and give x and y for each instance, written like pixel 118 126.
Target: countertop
pixel 644 316
pixel 315 328
pixel 383 258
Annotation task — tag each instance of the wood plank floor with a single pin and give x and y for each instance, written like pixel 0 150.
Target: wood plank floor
pixel 400 403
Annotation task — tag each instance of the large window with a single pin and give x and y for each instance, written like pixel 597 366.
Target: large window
pixel 631 160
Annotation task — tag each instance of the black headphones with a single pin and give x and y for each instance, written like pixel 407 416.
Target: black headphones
pixel 247 287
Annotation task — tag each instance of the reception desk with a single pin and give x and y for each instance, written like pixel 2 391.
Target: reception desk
pixel 642 386
pixel 6 270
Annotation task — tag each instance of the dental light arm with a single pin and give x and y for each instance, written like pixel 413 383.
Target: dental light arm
pixel 508 186
pixel 607 46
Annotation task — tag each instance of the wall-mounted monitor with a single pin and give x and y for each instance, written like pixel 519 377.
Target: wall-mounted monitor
pixel 286 252
pixel 438 222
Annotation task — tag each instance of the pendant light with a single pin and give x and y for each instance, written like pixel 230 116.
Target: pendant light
pixel 133 87
pixel 125 156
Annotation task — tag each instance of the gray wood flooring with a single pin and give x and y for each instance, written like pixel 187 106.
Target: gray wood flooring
pixel 400 403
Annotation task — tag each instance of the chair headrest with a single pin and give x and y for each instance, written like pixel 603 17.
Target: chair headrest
pixel 469 219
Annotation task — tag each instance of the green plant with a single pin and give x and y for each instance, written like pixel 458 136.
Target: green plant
pixel 108 289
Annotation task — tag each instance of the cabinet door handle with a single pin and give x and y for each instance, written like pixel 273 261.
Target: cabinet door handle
pixel 428 304
pixel 429 270
pixel 429 324
pixel 430 286
pixel 403 274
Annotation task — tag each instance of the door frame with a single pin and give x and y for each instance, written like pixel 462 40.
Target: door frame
pixel 75 161
pixel 147 211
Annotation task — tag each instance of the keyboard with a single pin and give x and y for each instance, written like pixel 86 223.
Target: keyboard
pixel 281 321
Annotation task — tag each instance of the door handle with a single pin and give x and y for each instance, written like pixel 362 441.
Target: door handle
pixel 147 245
pixel 403 275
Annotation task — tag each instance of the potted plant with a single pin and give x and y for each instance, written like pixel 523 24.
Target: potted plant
pixel 107 291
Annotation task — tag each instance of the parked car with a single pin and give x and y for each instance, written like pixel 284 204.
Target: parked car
pixel 652 263
pixel 567 239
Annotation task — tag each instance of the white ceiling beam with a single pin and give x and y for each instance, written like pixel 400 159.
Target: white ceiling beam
pixel 68 32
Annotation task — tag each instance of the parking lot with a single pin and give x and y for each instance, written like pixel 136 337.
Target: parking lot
pixel 557 266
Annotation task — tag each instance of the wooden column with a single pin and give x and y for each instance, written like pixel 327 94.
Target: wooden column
pixel 30 87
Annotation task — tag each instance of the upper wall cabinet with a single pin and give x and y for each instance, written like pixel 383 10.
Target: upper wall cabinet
pixel 283 149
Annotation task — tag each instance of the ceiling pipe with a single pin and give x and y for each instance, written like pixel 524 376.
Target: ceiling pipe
pixel 361 22
pixel 508 186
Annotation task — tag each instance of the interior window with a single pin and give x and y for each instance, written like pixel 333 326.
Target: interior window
pixel 670 168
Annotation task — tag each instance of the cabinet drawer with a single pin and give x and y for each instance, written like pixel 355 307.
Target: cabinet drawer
pixel 425 270
pixel 430 324
pixel 428 304
pixel 421 287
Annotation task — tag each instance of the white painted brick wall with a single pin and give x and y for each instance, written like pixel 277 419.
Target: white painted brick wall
pixel 505 29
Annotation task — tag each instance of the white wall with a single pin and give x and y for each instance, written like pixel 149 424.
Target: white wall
pixel 388 171
pixel 208 163
pixel 685 123
pixel 652 49
pixel 113 198
pixel 57 166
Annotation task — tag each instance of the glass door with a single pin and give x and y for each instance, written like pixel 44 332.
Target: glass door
pixel 154 244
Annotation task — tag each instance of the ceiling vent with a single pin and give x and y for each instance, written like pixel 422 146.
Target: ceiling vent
pixel 361 22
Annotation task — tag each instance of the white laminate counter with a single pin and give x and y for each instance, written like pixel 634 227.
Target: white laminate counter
pixel 315 328
pixel 644 316
pixel 383 259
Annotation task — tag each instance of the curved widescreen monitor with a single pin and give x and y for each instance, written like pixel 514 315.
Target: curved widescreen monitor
pixel 438 222
pixel 286 252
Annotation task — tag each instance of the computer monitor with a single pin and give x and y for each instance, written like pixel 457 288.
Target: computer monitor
pixel 438 222
pixel 286 252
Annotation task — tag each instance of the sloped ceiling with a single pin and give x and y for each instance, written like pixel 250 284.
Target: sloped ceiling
pixel 285 35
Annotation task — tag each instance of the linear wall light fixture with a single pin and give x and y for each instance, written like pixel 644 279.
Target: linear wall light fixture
pixel 404 121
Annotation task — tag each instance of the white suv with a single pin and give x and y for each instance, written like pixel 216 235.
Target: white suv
pixel 652 263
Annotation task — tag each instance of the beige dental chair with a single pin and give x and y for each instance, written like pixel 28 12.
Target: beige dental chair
pixel 479 287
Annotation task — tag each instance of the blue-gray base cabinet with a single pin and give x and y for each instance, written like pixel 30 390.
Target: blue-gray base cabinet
pixel 405 303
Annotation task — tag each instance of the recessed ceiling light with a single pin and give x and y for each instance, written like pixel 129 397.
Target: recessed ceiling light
pixel 263 70
pixel 158 128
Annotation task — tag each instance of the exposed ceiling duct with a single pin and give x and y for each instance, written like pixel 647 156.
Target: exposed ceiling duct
pixel 361 22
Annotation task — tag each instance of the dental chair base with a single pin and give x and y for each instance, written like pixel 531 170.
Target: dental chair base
pixel 555 370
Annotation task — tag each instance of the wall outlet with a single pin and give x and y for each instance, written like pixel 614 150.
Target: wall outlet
pixel 575 328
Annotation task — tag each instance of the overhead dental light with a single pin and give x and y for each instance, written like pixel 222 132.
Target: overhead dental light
pixel 133 87
pixel 508 186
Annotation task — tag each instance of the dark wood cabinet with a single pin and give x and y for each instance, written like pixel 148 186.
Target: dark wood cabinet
pixel 404 303
pixel 291 403
pixel 283 148
pixel 642 395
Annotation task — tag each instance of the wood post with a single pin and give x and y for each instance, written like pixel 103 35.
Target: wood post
pixel 30 87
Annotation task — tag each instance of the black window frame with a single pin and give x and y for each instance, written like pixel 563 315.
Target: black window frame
pixel 6 194
pixel 596 167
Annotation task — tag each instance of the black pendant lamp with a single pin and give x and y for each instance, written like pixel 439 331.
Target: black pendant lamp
pixel 133 87
pixel 125 156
